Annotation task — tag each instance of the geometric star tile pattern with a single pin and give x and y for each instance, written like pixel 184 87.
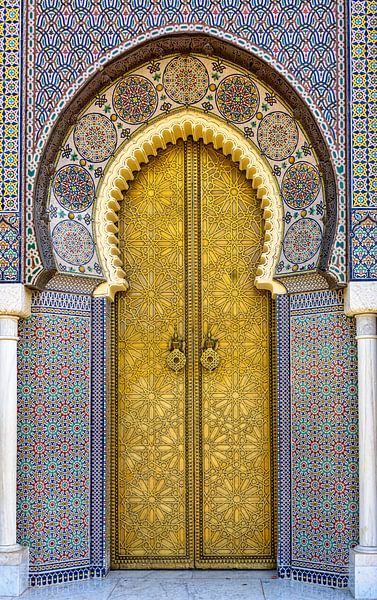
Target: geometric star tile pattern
pixel 363 243
pixel 54 477
pixel 322 481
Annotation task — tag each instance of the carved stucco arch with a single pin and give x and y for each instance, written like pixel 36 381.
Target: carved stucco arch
pixel 136 152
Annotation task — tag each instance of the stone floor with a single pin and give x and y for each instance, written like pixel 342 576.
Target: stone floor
pixel 186 585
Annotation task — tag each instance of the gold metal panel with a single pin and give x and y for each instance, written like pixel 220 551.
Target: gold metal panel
pixel 234 490
pixel 152 504
pixel 195 441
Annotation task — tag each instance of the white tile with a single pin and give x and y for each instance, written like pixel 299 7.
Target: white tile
pixel 283 589
pixel 226 589
pixel 151 590
pixel 94 589
pixel 186 585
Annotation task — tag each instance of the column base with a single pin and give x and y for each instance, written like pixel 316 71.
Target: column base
pixel 363 573
pixel 14 570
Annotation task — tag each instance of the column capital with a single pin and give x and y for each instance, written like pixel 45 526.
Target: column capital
pixel 360 298
pixel 15 300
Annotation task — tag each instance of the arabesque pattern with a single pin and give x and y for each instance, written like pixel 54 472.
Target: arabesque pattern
pixel 152 521
pixel 209 86
pixel 235 502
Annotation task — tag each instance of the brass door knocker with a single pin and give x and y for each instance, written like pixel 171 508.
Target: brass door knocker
pixel 210 358
pixel 176 359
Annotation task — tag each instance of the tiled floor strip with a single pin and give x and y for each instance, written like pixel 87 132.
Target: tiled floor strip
pixel 186 585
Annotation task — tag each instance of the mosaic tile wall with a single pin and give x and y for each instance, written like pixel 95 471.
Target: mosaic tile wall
pixel 303 40
pixel 10 128
pixel 214 86
pixel 63 358
pixel 318 444
pixel 61 437
pixel 363 155
pixel 307 45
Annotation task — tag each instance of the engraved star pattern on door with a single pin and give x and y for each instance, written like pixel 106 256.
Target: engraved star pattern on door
pixel 233 464
pixel 152 524
pixel 192 453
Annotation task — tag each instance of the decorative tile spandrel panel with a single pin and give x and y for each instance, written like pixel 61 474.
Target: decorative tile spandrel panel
pixel 210 86
pixel 54 478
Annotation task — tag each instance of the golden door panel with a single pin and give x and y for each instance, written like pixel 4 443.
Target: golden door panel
pixel 152 523
pixel 192 457
pixel 234 500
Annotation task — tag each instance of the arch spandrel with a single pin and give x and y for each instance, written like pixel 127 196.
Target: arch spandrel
pixel 146 143
pixel 215 91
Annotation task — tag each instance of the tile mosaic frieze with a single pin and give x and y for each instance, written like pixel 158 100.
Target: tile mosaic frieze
pixel 10 67
pixel 363 205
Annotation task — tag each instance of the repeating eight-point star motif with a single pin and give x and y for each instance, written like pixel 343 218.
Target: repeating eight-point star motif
pixel 73 242
pixel 237 98
pixel 277 135
pixel 302 241
pixel 134 99
pixel 301 184
pixel 74 188
pixel 95 137
pixel 186 80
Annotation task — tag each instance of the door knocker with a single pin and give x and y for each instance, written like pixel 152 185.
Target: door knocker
pixel 176 359
pixel 210 358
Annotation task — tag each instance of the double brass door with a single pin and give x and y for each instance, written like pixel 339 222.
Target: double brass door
pixel 192 455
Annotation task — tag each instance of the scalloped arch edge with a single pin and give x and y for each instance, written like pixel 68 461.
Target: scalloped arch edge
pixel 155 136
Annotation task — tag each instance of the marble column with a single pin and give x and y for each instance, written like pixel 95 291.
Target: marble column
pixel 361 302
pixel 14 559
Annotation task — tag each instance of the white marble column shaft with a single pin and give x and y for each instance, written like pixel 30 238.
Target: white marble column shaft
pixel 15 302
pixel 8 431
pixel 367 375
pixel 361 302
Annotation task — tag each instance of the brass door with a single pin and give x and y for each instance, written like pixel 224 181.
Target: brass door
pixel 192 449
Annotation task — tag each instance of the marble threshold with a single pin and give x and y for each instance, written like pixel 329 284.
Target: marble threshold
pixel 186 585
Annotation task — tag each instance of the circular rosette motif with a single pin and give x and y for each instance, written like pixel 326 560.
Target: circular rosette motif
pixel 277 135
pixel 73 242
pixel 74 188
pixel 95 137
pixel 302 241
pixel 237 98
pixel 134 99
pixel 301 184
pixel 185 80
